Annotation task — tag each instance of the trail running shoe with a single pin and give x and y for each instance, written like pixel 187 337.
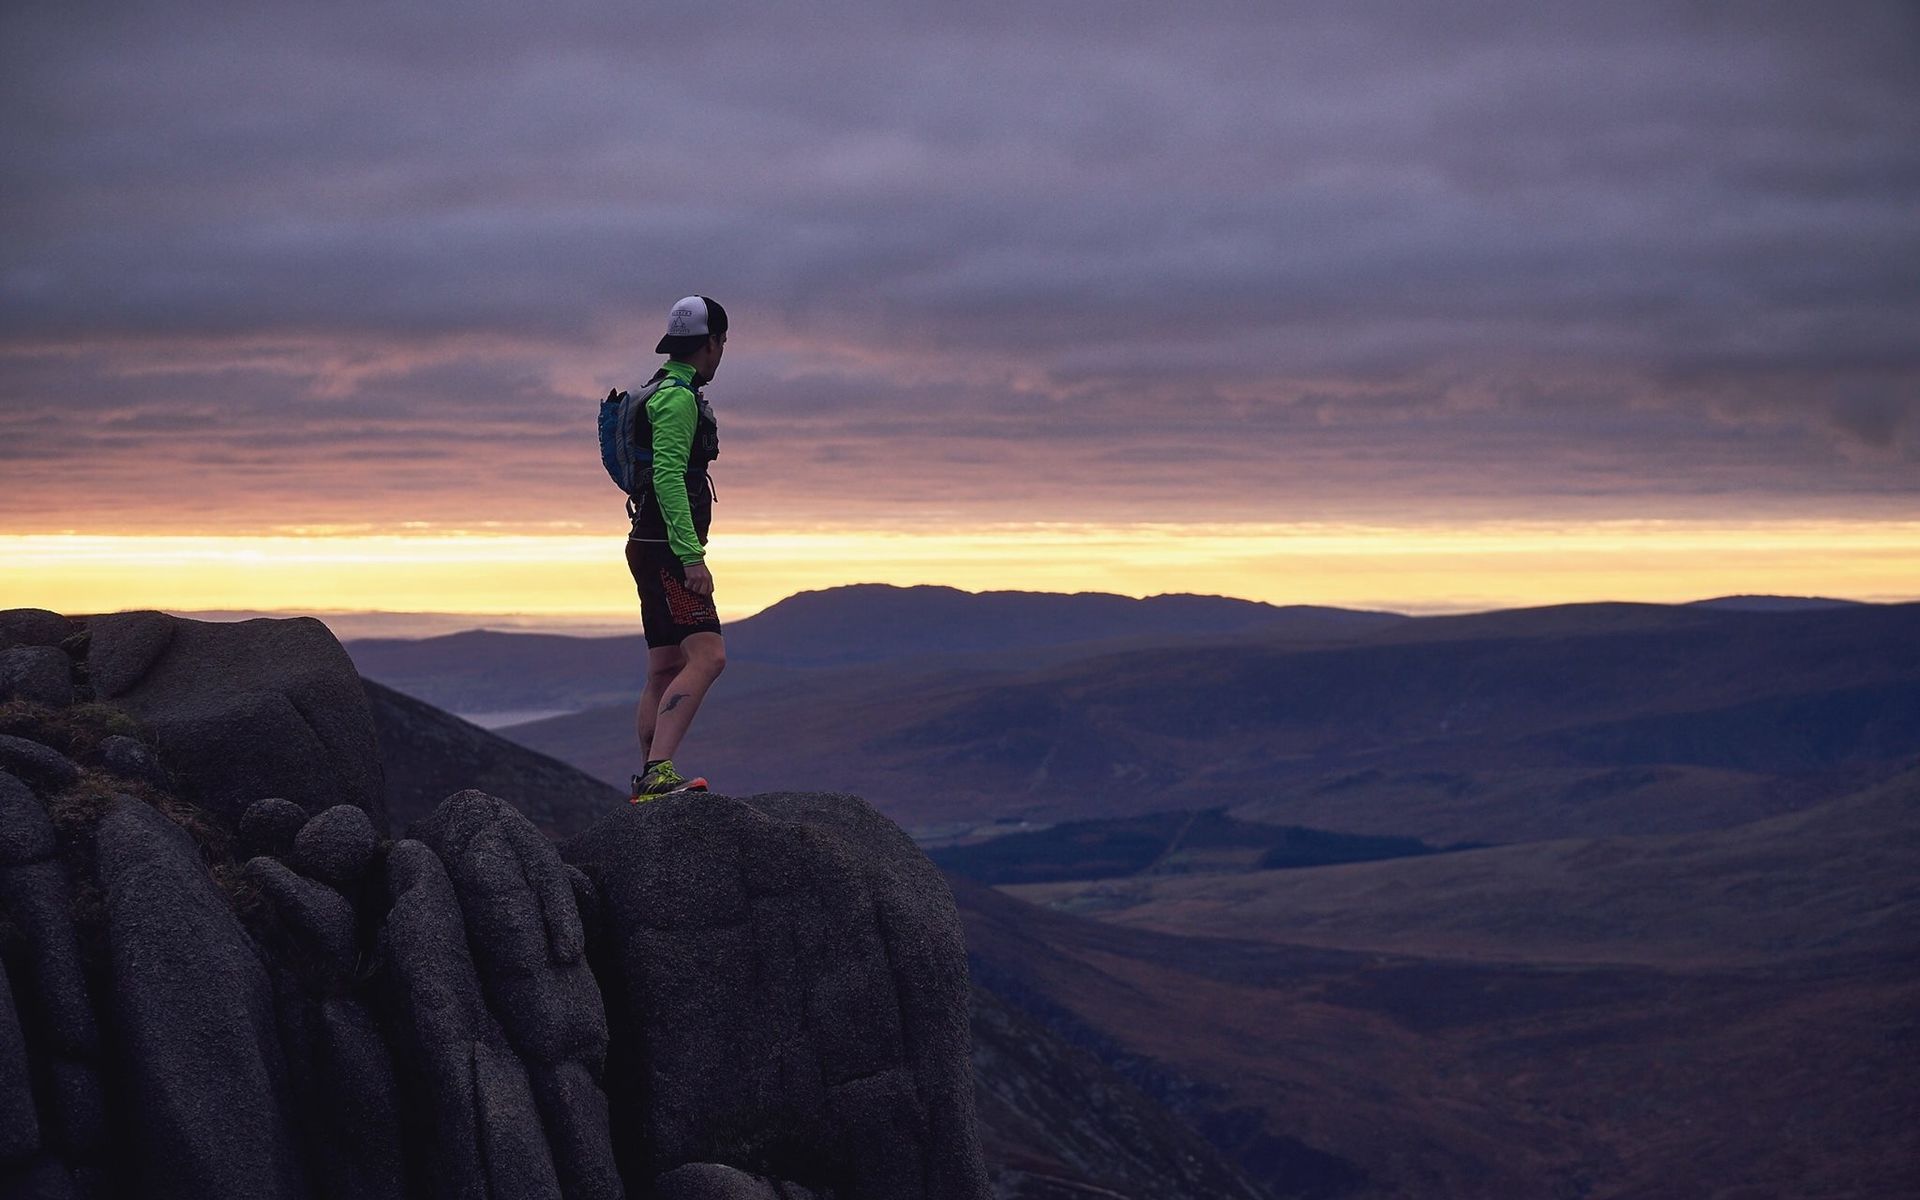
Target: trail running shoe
pixel 663 780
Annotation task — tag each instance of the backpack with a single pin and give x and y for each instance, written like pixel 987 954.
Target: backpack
pixel 627 462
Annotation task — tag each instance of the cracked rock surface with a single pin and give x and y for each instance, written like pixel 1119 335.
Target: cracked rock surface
pixel 220 978
pixel 800 948
pixel 245 709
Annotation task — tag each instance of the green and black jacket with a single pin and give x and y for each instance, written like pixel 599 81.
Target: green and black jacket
pixel 677 507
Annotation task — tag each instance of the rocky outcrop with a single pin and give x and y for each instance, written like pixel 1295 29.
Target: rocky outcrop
pixel 197 1046
pixel 218 978
pixel 56 1143
pixel 33 627
pixel 792 995
pixel 243 710
pixel 38 673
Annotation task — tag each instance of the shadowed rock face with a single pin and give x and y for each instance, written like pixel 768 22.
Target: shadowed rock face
pixel 243 710
pixel 243 990
pixel 201 998
pixel 804 950
pixel 33 627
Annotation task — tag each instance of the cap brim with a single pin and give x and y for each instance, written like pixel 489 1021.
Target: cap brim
pixel 662 347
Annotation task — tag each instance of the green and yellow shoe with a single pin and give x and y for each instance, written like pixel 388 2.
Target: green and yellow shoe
pixel 662 780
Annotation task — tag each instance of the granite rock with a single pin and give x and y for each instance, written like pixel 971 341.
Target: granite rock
pixel 123 647
pixel 42 768
pixel 79 1127
pixel 476 1105
pixel 319 919
pixel 787 991
pixel 19 1121
pixel 42 674
pixel 244 709
pixel 26 833
pixel 130 759
pixel 359 1094
pixel 45 1178
pixel 33 627
pixel 517 901
pixel 336 847
pixel 762 999
pixel 195 1022
pixel 51 978
pixel 269 826
pixel 712 1181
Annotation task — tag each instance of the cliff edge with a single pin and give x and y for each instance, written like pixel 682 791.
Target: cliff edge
pixel 220 976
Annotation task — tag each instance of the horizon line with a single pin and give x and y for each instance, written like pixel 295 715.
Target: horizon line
pixel 389 623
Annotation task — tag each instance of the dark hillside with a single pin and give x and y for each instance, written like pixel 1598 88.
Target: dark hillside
pixel 1794 733
pixel 1546 723
pixel 486 671
pixel 482 671
pixel 1161 843
pixel 427 755
pixel 1376 1074
pixel 1837 881
pixel 1058 1122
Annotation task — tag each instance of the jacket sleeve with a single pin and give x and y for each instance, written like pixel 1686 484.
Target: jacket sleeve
pixel 672 412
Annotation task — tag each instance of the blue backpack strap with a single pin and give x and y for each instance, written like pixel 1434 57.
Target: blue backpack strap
pixel 637 459
pixel 627 462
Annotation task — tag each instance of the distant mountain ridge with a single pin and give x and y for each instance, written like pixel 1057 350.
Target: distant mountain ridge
pixel 1772 603
pixel 487 671
pixel 872 622
pixel 1495 727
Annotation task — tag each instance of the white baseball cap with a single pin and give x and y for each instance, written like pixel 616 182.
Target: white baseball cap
pixel 692 317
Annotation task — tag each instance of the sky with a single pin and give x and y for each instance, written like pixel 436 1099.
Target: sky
pixel 1390 305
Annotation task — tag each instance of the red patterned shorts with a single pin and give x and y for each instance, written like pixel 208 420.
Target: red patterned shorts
pixel 668 611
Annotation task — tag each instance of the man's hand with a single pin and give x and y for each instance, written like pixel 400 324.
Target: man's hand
pixel 699 579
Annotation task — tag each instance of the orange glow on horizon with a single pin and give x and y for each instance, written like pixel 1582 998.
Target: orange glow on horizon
pixel 1452 568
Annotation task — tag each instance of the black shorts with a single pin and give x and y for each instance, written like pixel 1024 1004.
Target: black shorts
pixel 668 611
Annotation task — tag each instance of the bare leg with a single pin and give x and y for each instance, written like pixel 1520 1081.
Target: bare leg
pixel 706 657
pixel 663 663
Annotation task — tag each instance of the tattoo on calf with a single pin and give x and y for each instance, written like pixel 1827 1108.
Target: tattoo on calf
pixel 674 702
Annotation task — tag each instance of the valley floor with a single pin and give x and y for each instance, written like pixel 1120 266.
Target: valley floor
pixel 1717 1014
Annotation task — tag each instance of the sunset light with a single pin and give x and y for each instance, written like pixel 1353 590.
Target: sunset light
pixel 575 578
pixel 1207 601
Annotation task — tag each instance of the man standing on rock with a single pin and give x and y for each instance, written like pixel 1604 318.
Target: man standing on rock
pixel 672 507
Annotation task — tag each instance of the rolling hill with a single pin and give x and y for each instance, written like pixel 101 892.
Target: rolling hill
pixel 483 671
pixel 1840 880
pixel 1576 721
pixel 1721 1014
pixel 1208 841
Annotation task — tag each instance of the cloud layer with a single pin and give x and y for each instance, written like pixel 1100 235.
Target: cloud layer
pixel 341 264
